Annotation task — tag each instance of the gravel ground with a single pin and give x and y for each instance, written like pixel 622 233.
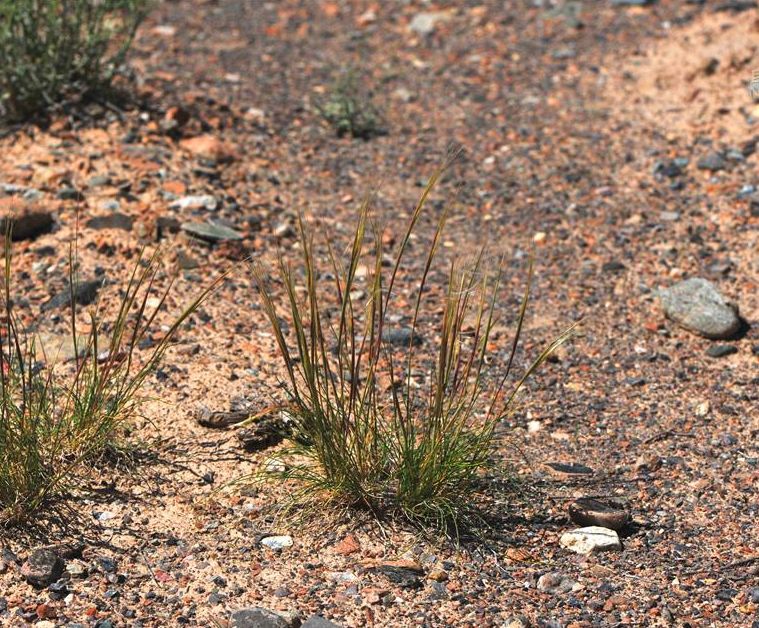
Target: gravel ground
pixel 618 141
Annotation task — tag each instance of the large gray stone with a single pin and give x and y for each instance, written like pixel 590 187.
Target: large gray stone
pixel 698 306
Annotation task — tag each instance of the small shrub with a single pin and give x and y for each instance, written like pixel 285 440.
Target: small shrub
pixel 51 50
pixel 54 417
pixel 349 109
pixel 363 433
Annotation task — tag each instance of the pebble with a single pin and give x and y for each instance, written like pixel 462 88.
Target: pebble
pixel 590 540
pixel 713 162
pixel 401 336
pixel 84 293
pixel 317 621
pixel 555 582
pixel 669 168
pixel 631 3
pixel 284 230
pixel 42 568
pixel 564 469
pixel 258 618
pixel 277 542
pixel 210 233
pixel 341 576
pixel 202 201
pixel 720 351
pixel 516 621
pixel 425 23
pixel 698 306
pixel 111 221
pixel 593 512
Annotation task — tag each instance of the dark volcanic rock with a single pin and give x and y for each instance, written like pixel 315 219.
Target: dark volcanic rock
pixel 317 621
pixel 27 224
pixel 258 618
pixel 84 293
pixel 401 336
pixel 713 162
pixel 697 305
pixel 42 568
pixel 593 512
pixel 111 221
pixel 720 351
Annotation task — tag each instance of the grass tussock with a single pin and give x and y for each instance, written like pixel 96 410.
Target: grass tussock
pixel 365 433
pixel 55 417
pixel 54 50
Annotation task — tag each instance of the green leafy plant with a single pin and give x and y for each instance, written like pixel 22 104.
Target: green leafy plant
pixel 364 432
pixel 56 416
pixel 54 49
pixel 349 109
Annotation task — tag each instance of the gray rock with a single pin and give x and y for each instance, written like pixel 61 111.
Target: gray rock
pixel 84 293
pixel 209 232
pixel 516 621
pixel 698 306
pixel 424 24
pixel 590 540
pixel 258 618
pixel 42 568
pixel 99 181
pixel 720 351
pixel 68 194
pixel 27 224
pixel 401 336
pixel 317 621
pixel 713 162
pixel 555 582
pixel 631 3
pixel 111 221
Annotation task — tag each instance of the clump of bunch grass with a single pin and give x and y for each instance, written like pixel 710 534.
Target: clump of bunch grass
pixel 52 50
pixel 57 417
pixel 364 434
pixel 349 108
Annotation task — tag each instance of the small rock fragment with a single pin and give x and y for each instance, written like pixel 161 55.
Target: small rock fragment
pixel 555 582
pixel 424 23
pixel 516 621
pixel 277 543
pixel 720 351
pixel 590 540
pixel 317 621
pixel 84 293
pixel 564 469
pixel 209 232
pixel 401 337
pixel 258 618
pixel 713 162
pixel 201 201
pixel 209 147
pixel 111 221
